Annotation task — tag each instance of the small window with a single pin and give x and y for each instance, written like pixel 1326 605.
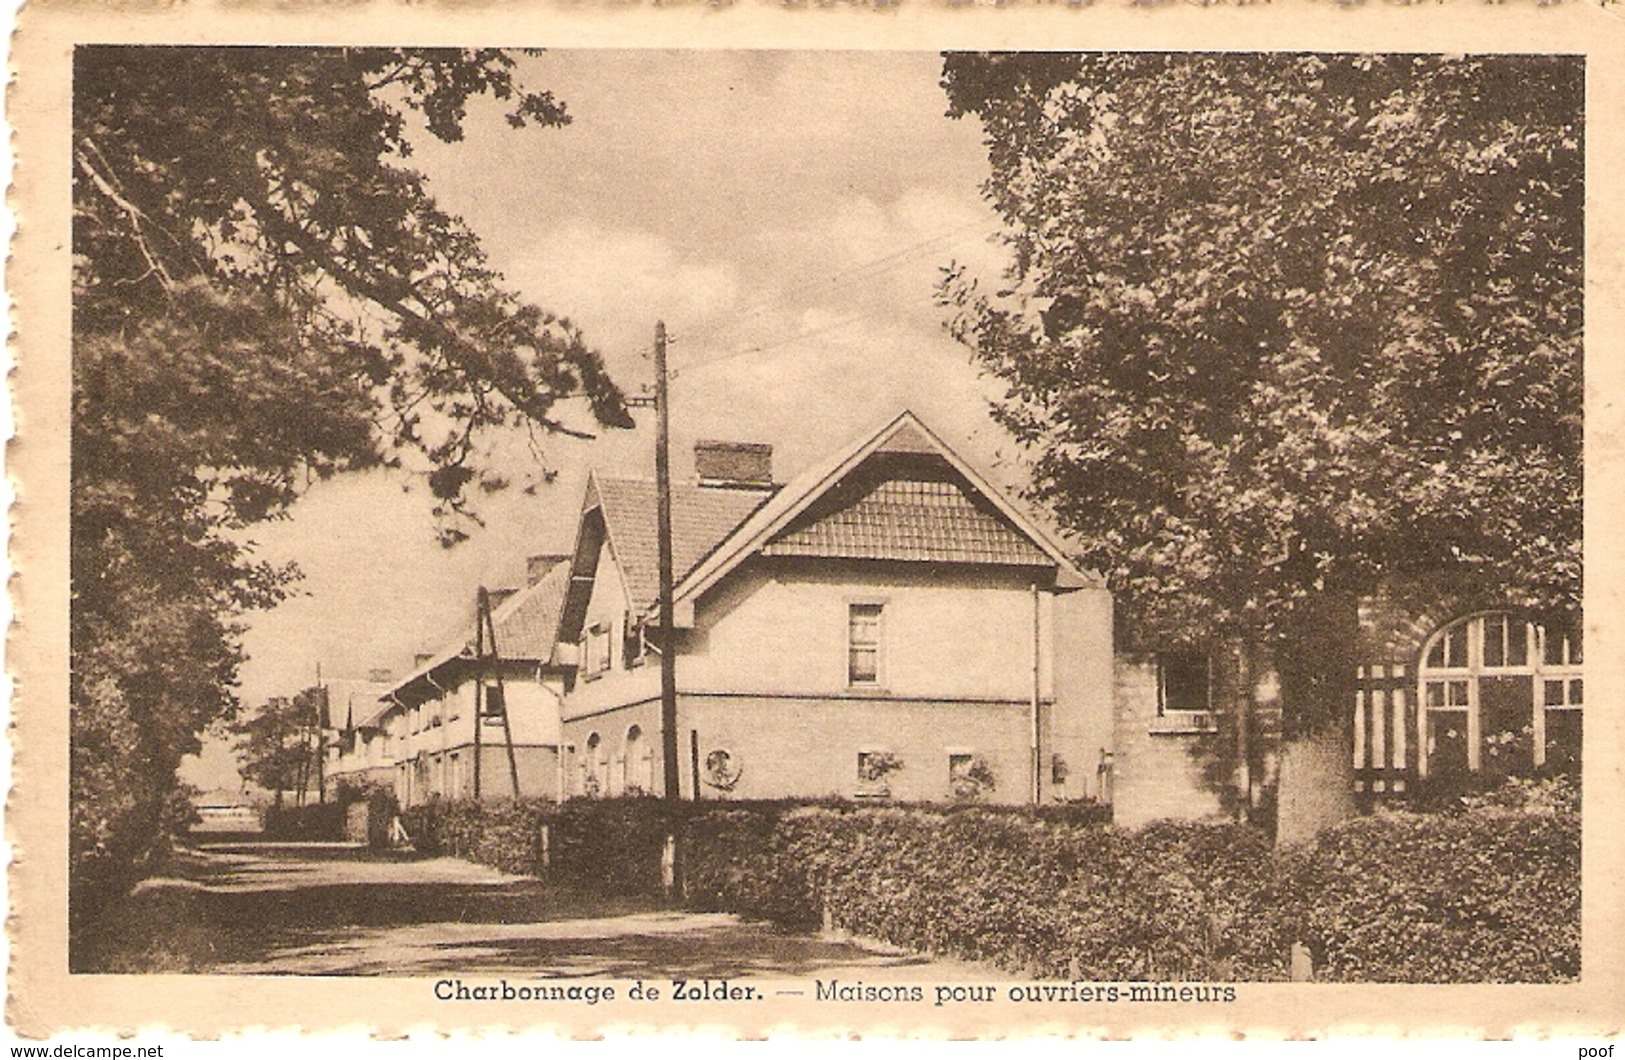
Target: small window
pixel 595 650
pixel 1565 693
pixel 632 645
pixel 1447 695
pixel 1449 652
pixel 1562 647
pixel 874 772
pixel 1184 682
pixel 863 643
pixel 970 777
pixel 496 704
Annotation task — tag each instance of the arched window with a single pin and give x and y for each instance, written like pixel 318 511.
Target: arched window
pixel 592 776
pixel 639 777
pixel 1499 694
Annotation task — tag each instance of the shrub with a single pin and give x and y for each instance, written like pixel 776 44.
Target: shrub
pixel 1492 895
pixel 1489 894
pixel 612 846
pixel 322 821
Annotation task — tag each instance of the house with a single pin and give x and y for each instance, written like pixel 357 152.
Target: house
pixel 426 728
pixel 1453 684
pixel 354 740
pixel 891 626
pixel 888 625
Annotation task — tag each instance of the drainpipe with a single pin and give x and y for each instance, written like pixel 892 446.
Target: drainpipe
pixel 1038 779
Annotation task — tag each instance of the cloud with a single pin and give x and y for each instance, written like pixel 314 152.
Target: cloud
pixel 615 283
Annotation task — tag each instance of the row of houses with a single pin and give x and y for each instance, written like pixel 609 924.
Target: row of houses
pixel 891 625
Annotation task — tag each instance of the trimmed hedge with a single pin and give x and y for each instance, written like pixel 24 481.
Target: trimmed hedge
pixel 1488 894
pixel 1170 902
pixel 1492 895
pixel 318 822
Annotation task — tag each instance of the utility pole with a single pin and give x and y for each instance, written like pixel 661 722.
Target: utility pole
pixel 479 686
pixel 496 697
pixel 668 635
pixel 322 719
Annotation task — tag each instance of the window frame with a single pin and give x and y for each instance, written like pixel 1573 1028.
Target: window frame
pixel 877 786
pixel 593 635
pixel 879 606
pixel 1441 675
pixel 1164 710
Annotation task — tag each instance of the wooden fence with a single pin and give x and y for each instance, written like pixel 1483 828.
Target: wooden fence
pixel 1386 733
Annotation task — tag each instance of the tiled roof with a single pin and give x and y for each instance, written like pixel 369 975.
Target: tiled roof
pixel 526 628
pixel 702 517
pixel 904 518
pixel 909 452
pixel 353 702
pixel 527 623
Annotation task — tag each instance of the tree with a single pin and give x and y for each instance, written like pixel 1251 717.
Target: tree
pixel 279 744
pixel 264 294
pixel 1283 328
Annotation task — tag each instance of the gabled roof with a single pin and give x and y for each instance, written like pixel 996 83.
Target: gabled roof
pixel 985 511
pixel 526 626
pixel 908 510
pixel 353 703
pixel 702 517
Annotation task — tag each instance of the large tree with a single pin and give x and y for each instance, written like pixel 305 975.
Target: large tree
pixel 264 293
pixel 1285 328
pixel 279 744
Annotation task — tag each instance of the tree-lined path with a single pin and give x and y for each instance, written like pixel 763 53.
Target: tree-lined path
pixel 330 909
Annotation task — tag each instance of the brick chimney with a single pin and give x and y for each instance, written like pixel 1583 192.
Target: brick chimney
pixel 380 675
pixel 734 464
pixel 536 567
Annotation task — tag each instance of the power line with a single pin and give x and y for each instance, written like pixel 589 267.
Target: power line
pixel 711 361
pixel 864 270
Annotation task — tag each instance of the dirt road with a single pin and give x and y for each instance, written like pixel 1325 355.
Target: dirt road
pixel 311 909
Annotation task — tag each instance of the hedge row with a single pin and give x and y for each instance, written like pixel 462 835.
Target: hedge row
pixel 1488 895
pixel 316 822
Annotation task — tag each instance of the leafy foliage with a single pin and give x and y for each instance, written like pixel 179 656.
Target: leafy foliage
pixel 1280 327
pixel 277 744
pixel 1490 894
pixel 264 294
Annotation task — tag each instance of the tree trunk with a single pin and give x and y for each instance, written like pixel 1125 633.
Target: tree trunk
pixel 1316 785
pixel 1317 670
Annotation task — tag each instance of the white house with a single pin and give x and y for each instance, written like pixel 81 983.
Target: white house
pixel 888 625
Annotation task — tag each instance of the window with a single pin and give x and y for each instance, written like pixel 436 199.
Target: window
pixel 632 645
pixel 639 764
pixel 1184 682
pixel 969 775
pixel 863 643
pixel 592 782
pixel 595 650
pixel 496 704
pixel 875 769
pixel 1500 694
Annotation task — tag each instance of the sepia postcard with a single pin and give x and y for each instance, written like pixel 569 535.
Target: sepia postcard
pixel 973 521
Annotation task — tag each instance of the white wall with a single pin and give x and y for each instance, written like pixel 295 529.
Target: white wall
pixel 947 632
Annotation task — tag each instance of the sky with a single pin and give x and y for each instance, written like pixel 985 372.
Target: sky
pixel 786 214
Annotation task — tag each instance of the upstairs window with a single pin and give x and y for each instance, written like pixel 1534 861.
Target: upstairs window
pixel 595 650
pixel 863 643
pixel 633 647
